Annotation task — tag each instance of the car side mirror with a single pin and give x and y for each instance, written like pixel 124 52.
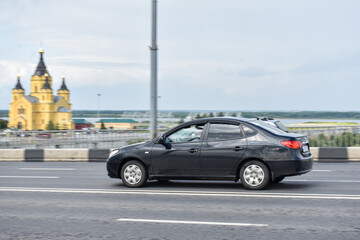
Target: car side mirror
pixel 162 140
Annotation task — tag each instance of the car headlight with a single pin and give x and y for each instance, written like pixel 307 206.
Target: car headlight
pixel 113 153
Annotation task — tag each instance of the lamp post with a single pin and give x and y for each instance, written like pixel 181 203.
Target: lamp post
pixel 153 90
pixel 98 105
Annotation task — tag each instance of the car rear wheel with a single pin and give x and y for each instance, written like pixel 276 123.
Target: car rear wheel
pixel 254 175
pixel 133 174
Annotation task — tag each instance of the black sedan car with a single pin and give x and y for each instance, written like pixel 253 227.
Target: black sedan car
pixel 251 151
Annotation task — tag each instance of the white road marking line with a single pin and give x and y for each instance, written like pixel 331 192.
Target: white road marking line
pixel 47 177
pixel 321 170
pixel 49 169
pixel 332 181
pixel 183 193
pixel 191 222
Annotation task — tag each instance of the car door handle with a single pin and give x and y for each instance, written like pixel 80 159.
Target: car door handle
pixel 192 150
pixel 238 148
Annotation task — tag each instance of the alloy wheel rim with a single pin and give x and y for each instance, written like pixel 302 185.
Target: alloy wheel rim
pixel 254 175
pixel 132 174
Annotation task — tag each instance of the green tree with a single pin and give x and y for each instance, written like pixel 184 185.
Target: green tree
pixel 204 115
pixel 3 124
pixel 102 125
pixel 50 126
pixel 211 114
pixel 63 126
pixel 197 116
pixel 233 114
pixel 181 121
pixel 220 114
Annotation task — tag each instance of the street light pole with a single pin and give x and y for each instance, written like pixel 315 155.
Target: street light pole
pixel 98 102
pixel 153 50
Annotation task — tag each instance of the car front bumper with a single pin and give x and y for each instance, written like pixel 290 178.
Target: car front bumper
pixel 112 169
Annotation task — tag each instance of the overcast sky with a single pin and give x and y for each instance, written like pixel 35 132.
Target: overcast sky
pixel 213 55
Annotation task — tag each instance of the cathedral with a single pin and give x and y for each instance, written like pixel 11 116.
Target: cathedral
pixel 40 108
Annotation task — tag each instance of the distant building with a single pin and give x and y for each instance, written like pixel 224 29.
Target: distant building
pixel 36 110
pixel 117 124
pixel 82 123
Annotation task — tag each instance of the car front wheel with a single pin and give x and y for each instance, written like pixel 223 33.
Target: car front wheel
pixel 133 174
pixel 254 175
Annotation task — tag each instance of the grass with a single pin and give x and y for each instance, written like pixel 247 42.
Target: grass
pixel 331 123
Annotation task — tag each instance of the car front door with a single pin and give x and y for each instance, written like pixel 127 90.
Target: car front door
pixel 222 150
pixel 179 154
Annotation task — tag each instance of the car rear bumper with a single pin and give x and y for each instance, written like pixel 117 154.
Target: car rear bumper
pixel 291 167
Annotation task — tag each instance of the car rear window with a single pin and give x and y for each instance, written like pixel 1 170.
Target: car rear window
pixel 281 126
pixel 269 128
pixel 220 131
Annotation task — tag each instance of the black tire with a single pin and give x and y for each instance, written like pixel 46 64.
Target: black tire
pixel 133 174
pixel 278 179
pixel 254 175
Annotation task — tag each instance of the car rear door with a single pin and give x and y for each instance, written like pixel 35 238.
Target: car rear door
pixel 222 150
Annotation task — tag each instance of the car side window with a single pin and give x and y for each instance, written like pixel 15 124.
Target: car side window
pixel 248 131
pixel 220 131
pixel 187 134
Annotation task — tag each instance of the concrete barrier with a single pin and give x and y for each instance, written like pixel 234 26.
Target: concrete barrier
pixel 336 154
pixel 66 155
pixel 54 155
pixel 349 154
pixel 13 155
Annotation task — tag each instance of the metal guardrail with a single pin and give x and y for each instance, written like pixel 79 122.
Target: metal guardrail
pixel 330 136
pixel 71 138
pixel 319 136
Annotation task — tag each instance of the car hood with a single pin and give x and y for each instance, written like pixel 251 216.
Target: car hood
pixel 134 146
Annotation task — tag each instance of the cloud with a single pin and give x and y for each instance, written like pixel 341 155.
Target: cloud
pixel 10 69
pixel 253 72
pixel 212 54
pixel 331 64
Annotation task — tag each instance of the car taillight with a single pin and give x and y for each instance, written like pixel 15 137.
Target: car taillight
pixel 292 144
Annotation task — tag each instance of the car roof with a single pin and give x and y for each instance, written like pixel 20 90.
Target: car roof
pixel 225 118
pixel 252 121
pixel 221 119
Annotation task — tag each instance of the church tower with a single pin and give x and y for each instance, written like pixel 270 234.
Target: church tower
pixel 39 77
pixel 18 90
pixel 17 93
pixel 63 90
pixel 38 109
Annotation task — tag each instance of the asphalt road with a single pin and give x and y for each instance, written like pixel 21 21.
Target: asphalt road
pixel 79 201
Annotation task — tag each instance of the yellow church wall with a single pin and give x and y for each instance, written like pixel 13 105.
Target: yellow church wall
pixel 64 94
pixel 37 83
pixel 17 94
pixel 37 115
pixel 64 120
pixel 20 111
pixel 64 103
